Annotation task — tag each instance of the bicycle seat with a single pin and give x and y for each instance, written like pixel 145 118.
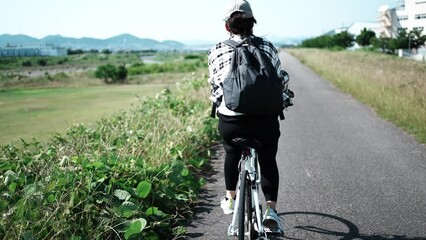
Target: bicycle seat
pixel 247 142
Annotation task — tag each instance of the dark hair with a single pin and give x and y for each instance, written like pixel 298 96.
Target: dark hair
pixel 240 25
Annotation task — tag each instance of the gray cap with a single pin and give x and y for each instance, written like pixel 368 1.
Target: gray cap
pixel 238 6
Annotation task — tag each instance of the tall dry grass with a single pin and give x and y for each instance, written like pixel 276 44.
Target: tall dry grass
pixel 395 88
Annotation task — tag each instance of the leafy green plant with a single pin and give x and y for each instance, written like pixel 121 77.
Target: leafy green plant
pixel 132 176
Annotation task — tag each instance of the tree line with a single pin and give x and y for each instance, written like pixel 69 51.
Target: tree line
pixel 413 39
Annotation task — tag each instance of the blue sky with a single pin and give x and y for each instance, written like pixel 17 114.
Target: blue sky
pixel 183 20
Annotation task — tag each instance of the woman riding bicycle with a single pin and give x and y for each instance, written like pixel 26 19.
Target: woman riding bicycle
pixel 239 22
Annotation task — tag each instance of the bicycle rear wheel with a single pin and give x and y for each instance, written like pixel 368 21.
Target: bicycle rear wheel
pixel 245 210
pixel 250 219
pixel 242 205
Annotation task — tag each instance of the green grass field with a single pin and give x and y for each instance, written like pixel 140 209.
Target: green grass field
pixel 37 101
pixel 40 112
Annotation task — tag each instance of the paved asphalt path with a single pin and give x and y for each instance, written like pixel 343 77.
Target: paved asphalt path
pixel 344 173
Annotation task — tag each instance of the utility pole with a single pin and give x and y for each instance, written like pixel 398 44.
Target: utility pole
pixel 411 37
pixel 409 43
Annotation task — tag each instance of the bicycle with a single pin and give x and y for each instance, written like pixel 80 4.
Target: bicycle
pixel 247 216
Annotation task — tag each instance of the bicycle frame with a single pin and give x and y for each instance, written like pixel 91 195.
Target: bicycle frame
pixel 250 164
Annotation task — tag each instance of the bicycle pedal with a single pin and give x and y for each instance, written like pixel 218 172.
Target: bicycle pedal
pixel 275 232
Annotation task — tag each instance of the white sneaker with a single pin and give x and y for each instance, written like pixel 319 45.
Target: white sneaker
pixel 272 221
pixel 227 205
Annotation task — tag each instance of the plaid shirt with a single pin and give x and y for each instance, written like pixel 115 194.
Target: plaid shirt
pixel 219 61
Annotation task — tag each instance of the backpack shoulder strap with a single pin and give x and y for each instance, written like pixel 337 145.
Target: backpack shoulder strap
pixel 256 41
pixel 232 43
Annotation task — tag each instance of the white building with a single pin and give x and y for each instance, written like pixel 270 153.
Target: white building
pixel 32 50
pixel 409 14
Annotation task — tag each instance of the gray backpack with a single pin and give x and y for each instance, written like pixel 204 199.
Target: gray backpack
pixel 253 85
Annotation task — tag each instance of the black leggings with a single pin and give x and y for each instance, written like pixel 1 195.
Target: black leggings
pixel 266 130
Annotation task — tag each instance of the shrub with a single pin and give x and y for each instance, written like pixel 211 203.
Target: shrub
pixel 42 62
pixel 75 52
pixel 106 51
pixel 111 74
pixel 191 56
pixel 27 63
pixel 121 74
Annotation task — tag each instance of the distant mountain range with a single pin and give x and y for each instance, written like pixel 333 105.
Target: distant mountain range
pixel 120 42
pixel 124 42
